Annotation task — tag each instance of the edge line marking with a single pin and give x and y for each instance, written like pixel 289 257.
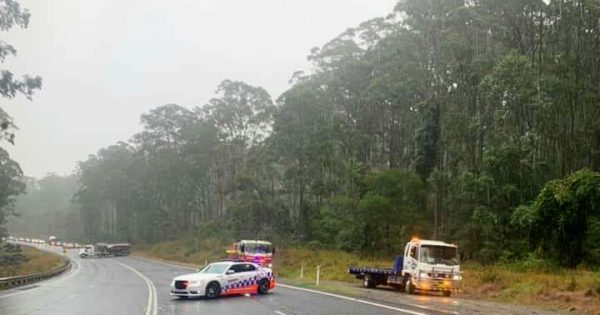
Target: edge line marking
pixel 151 307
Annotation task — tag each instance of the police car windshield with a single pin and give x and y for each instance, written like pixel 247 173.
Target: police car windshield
pixel 215 268
pixel 258 248
pixel 445 255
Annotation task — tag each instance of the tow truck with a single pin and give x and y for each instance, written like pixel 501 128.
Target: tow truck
pixel 425 265
pixel 255 251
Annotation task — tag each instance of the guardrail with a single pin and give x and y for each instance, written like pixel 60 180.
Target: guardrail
pixel 17 281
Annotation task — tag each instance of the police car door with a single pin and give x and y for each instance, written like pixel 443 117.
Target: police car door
pixel 248 275
pixel 232 277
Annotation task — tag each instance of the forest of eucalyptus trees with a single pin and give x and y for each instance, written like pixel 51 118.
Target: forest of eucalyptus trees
pixel 445 119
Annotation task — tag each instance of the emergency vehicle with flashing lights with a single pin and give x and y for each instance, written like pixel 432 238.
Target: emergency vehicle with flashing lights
pixel 224 278
pixel 425 265
pixel 255 251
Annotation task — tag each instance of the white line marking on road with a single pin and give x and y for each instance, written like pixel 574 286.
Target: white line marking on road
pixel 71 296
pixel 70 275
pixel 280 313
pixel 308 290
pixel 353 299
pixel 151 308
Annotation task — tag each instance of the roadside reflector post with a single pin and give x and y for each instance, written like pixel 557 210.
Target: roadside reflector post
pixel 318 274
pixel 302 271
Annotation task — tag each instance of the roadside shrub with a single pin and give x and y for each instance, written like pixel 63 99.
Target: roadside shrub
pixel 572 285
pixel 595 286
pixel 490 277
pixel 533 262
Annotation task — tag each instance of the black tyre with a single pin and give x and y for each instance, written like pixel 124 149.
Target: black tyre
pixel 263 286
pixel 368 282
pixel 213 290
pixel 408 286
pixel 447 293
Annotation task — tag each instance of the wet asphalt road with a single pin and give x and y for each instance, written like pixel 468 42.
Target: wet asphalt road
pixel 129 285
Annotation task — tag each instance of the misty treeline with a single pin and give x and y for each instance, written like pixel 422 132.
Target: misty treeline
pixel 475 122
pixel 11 185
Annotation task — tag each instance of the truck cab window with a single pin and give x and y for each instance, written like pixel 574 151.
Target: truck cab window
pixel 414 252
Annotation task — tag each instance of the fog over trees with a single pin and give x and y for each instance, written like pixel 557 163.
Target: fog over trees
pixel 11 15
pixel 445 119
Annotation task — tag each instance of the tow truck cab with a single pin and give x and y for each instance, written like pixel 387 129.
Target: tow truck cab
pixel 431 266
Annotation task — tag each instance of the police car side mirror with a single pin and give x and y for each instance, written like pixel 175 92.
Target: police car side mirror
pixel 230 272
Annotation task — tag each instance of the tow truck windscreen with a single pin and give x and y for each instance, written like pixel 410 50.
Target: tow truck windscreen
pixel 258 249
pixel 214 268
pixel 431 254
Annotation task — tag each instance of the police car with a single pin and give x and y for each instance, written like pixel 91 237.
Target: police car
pixel 224 278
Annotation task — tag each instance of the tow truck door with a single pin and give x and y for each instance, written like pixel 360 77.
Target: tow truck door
pixel 411 256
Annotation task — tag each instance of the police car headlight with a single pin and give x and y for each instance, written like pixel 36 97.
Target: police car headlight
pixel 456 277
pixel 270 266
pixel 195 283
pixel 423 274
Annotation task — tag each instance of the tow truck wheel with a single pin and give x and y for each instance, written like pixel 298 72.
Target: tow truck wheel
pixel 408 286
pixel 447 293
pixel 263 286
pixel 213 290
pixel 368 282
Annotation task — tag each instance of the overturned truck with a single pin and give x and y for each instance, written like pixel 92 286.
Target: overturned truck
pixel 101 250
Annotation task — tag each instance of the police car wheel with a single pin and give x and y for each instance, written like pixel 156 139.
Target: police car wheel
pixel 213 290
pixel 263 286
pixel 447 293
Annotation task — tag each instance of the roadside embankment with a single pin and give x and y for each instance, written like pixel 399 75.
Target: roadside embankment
pixel 554 289
pixel 27 260
pixel 20 265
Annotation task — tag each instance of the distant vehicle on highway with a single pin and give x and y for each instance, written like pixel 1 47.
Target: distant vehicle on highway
pixel 52 240
pixel 224 278
pixel 104 250
pixel 425 266
pixel 255 251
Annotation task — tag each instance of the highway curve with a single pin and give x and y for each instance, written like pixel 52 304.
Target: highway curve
pixel 130 285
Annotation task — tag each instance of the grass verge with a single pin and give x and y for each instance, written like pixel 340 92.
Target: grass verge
pixel 35 261
pixel 560 289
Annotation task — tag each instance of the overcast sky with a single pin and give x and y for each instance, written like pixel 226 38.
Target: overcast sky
pixel 105 62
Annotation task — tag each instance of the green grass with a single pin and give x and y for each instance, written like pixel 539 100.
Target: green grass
pixel 35 261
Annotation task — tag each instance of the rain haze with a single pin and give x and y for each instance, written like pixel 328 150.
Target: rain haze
pixel 104 63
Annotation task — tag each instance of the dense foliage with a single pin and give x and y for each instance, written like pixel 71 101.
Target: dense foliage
pixel 11 15
pixel 47 208
pixel 438 120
